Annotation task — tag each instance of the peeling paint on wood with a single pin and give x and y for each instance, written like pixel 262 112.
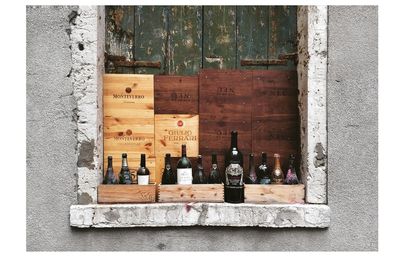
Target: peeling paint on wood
pixel 282 33
pixel 252 38
pixel 219 32
pixel 185 40
pixel 151 37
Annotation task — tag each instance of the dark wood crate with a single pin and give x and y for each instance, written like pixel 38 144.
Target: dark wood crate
pixel 176 94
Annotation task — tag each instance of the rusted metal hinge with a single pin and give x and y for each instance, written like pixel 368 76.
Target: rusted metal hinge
pixel 282 60
pixel 121 61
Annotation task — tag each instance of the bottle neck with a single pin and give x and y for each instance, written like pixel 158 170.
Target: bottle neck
pixel 183 150
pixel 263 158
pixel 124 162
pixel 200 161
pixel 168 160
pixel 142 160
pixel 251 162
pixel 234 140
pixel 214 159
pixel 277 162
pixel 109 164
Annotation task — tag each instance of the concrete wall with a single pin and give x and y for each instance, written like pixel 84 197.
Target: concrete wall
pixel 352 150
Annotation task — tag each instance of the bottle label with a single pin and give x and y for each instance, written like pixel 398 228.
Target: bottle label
pixel 184 175
pixel 143 179
pixel 234 175
pixel 265 181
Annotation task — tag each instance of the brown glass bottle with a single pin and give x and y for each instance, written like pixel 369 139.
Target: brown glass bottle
pixel 252 177
pixel 277 173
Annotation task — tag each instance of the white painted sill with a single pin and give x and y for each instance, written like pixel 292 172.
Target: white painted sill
pixel 199 214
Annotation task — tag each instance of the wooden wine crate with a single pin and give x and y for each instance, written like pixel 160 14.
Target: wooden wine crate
pixel 225 104
pixel 176 94
pixel 275 115
pixel 128 109
pixel 120 193
pixel 171 131
pixel 191 193
pixel 274 194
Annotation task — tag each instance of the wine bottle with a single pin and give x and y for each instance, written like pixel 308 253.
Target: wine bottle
pixel 125 176
pixel 252 177
pixel 263 170
pixel 277 173
pixel 184 169
pixel 291 176
pixel 143 174
pixel 214 177
pixel 199 176
pixel 234 189
pixel 168 176
pixel 110 178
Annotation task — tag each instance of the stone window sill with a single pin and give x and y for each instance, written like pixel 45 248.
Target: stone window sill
pixel 199 214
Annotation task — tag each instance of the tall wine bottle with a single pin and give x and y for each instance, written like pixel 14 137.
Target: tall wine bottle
pixel 277 173
pixel 184 169
pixel 110 178
pixel 214 177
pixel 199 176
pixel 143 174
pixel 125 176
pixel 234 188
pixel 252 177
pixel 168 176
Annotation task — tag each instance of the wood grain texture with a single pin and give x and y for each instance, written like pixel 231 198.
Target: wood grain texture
pixel 191 193
pixel 171 131
pixel 184 50
pixel 274 194
pixel 126 193
pixel 275 115
pixel 151 37
pixel 282 34
pixel 176 94
pixel 128 109
pixel 219 37
pixel 252 38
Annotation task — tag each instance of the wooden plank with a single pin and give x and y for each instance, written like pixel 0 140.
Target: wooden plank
pixel 176 94
pixel 219 37
pixel 282 34
pixel 151 36
pixel 274 194
pixel 275 116
pixel 171 131
pixel 185 40
pixel 252 38
pixel 119 35
pixel 126 193
pixel 225 98
pixel 128 109
pixel 191 193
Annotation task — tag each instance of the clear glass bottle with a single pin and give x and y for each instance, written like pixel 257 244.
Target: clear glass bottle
pixel 277 173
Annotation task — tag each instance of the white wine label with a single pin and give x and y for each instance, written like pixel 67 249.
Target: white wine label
pixel 143 179
pixel 184 175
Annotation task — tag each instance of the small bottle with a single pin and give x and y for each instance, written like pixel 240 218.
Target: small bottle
pixel 184 169
pixel 252 177
pixel 214 177
pixel 143 174
pixel 110 178
pixel 199 177
pixel 277 173
pixel 291 176
pixel 125 176
pixel 263 170
pixel 168 176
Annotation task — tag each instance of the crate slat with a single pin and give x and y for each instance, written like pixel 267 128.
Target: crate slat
pixel 274 194
pixel 191 193
pixel 119 193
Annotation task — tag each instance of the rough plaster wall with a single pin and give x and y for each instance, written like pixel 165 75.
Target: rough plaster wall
pixel 352 142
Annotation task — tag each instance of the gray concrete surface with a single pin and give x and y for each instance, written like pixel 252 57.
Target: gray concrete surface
pixel 352 150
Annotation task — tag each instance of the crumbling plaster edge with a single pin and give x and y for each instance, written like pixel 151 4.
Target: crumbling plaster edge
pixel 199 214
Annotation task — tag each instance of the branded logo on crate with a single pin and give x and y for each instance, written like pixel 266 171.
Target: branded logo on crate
pixel 225 91
pixel 180 123
pixel 180 96
pixel 128 136
pixel 180 135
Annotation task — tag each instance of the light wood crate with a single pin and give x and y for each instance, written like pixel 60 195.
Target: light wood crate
pixel 274 194
pixel 124 193
pixel 191 193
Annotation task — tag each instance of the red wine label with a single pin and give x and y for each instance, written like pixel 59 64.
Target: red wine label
pixel 184 175
pixel 143 179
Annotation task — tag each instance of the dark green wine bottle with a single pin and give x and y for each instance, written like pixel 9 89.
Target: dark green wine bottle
pixel 125 176
pixel 110 178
